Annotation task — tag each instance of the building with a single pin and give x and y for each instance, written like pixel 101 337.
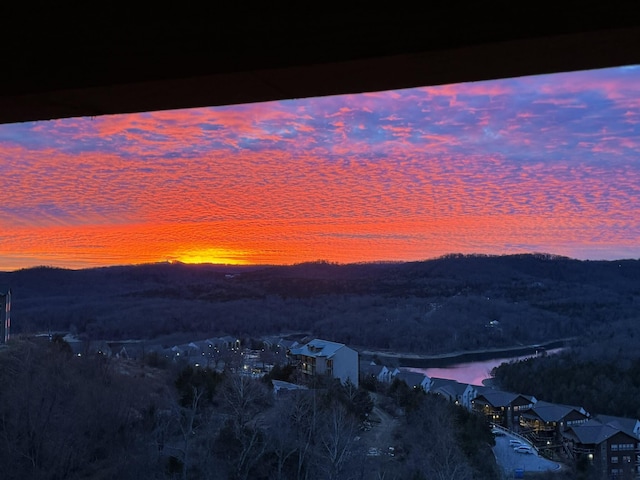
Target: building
pixel 380 373
pixel 627 425
pixel 322 357
pixel 415 380
pixel 609 449
pixel 452 390
pixel 544 423
pixel 5 316
pixel 503 408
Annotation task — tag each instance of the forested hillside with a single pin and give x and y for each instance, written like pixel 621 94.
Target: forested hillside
pixel 600 373
pixel 458 302
pixel 69 417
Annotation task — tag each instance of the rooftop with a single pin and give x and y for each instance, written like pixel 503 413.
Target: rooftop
pixel 498 398
pixel 591 432
pixel 318 348
pixel 552 412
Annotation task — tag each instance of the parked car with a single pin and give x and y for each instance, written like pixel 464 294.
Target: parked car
pixel 523 449
pixel 497 432
pixel 517 443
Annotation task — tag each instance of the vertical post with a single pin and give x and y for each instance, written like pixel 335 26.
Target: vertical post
pixel 3 324
pixel 5 316
pixel 7 320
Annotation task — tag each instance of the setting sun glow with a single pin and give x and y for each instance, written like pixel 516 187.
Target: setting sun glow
pixel 212 255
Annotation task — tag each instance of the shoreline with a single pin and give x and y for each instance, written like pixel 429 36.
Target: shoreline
pixel 448 359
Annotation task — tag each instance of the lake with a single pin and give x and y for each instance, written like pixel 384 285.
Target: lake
pixel 473 373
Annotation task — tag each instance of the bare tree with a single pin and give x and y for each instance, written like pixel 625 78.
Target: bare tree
pixel 282 434
pixel 304 417
pixel 434 447
pixel 336 441
pixel 245 399
pixel 186 417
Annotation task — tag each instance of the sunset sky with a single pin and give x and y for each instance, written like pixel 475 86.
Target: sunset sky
pixel 535 164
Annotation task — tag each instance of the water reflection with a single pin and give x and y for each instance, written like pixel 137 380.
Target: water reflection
pixel 473 373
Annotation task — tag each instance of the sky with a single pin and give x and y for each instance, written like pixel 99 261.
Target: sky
pixel 544 164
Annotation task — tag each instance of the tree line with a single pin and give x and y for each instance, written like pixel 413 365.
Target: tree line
pixel 600 373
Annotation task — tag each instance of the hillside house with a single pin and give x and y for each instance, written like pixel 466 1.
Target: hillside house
pixel 380 373
pixel 544 423
pixel 471 392
pixel 610 450
pixel 389 374
pixel 413 379
pixel 323 357
pixel 503 408
pixel 285 344
pixel 278 344
pixel 627 425
pixel 371 370
pixel 452 390
pixel 228 342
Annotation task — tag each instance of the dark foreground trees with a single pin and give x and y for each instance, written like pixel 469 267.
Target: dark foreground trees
pixel 444 441
pixel 65 417
pixel 69 417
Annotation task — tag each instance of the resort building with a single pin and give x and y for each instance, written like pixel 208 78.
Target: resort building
pixel 322 357
pixel 609 449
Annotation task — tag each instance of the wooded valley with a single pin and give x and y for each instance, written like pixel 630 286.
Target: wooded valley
pixel 454 303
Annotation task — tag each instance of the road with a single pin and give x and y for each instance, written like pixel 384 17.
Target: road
pixel 380 436
pixel 383 431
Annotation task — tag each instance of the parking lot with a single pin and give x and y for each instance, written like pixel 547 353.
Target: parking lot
pixel 510 460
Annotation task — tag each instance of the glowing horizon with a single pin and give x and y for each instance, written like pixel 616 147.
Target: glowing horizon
pixel 547 163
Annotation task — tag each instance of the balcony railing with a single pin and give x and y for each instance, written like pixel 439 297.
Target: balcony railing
pixel 582 451
pixel 536 427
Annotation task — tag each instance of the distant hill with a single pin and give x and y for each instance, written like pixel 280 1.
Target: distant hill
pixel 457 302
